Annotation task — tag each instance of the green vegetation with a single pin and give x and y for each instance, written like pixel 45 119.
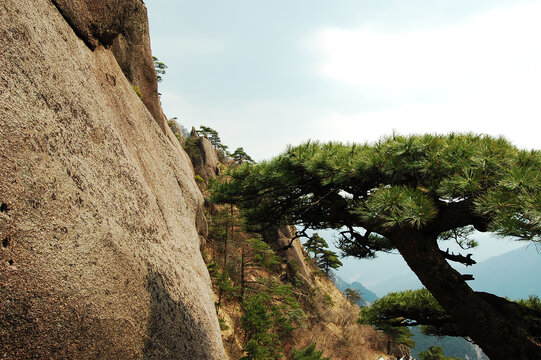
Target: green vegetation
pixel 393 313
pixel 240 156
pixel 212 135
pixel 315 245
pixel 396 311
pixel 386 314
pixel 137 91
pixel 257 321
pixel 191 145
pixel 223 324
pixel 328 260
pixel 270 310
pixel 352 295
pixel 435 353
pixel 325 258
pixel 160 68
pixel 327 300
pixel 405 193
pixel 308 353
pixel 407 308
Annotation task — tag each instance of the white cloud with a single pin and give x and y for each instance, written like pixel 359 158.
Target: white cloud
pixel 475 50
pixel 519 124
pixel 482 76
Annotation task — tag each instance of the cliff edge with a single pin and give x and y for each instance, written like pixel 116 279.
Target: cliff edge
pixel 98 205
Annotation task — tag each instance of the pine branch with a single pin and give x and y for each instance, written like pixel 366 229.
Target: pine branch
pixel 466 260
pixel 298 234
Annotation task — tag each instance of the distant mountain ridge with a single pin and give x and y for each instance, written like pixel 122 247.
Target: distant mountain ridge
pixel 513 274
pixel 367 296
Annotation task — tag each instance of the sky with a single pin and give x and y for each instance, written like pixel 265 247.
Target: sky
pixel 389 272
pixel 269 73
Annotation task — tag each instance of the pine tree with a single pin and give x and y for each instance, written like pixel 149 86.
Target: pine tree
pixel 325 258
pixel 352 295
pixel 404 193
pixel 240 156
pixel 435 353
pixel 257 322
pixel 160 68
pixel 315 245
pixel 328 260
pixel 308 353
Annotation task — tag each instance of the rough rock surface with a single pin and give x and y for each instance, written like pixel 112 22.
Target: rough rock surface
pixel 122 26
pixel 280 238
pixel 177 131
pixel 99 255
pixel 204 159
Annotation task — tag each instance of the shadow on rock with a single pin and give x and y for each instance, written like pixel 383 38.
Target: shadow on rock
pixel 173 330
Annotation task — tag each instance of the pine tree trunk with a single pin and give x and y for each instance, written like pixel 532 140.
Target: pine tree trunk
pixel 226 237
pixel 242 278
pixel 488 320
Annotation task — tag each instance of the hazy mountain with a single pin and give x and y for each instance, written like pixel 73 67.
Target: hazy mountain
pixel 407 281
pixel 513 274
pixel 367 296
pixel 453 346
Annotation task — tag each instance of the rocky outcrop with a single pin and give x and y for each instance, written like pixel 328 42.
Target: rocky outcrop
pixel 279 237
pixel 203 156
pixel 177 131
pixel 122 27
pixel 100 252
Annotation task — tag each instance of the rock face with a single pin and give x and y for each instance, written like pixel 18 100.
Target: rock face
pixel 100 251
pixel 280 238
pixel 122 26
pixel 177 131
pixel 203 156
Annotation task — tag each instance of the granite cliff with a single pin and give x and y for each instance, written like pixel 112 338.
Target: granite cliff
pixel 100 216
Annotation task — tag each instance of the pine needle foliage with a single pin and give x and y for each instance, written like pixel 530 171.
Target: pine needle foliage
pixel 397 182
pixel 403 193
pixel 325 259
pixel 308 353
pixel 352 295
pixel 407 308
pixel 419 308
pixel 435 353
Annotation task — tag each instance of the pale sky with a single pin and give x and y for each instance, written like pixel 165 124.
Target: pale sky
pixel 268 73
